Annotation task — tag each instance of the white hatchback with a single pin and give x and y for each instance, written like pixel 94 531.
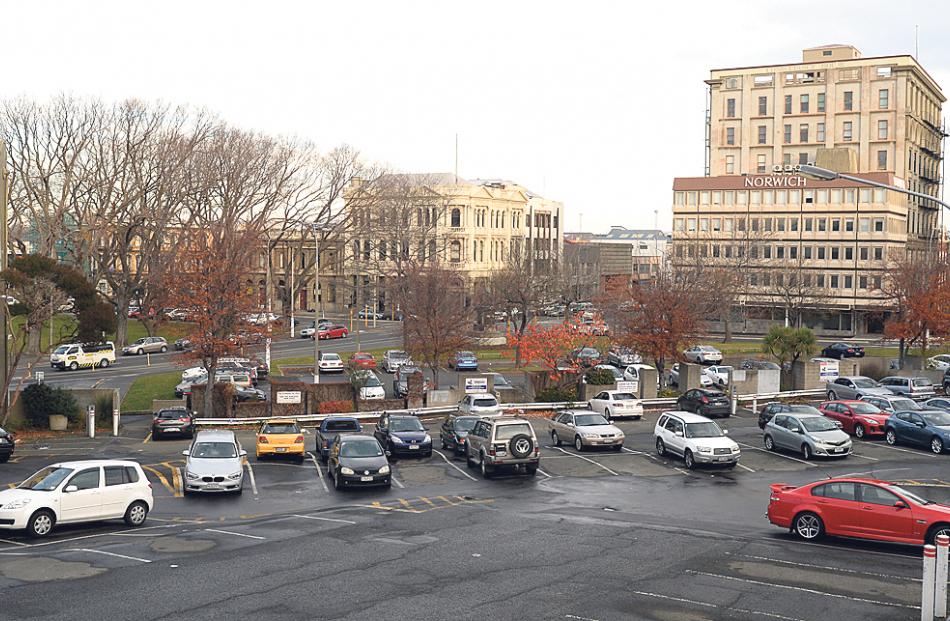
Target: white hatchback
pixel 77 491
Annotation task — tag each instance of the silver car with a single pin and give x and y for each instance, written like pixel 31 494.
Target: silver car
pixel 585 429
pixel 146 345
pixel 853 388
pixel 808 434
pixel 215 463
pixel 913 387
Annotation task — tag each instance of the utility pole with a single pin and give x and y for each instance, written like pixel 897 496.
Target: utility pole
pixel 4 341
pixel 316 293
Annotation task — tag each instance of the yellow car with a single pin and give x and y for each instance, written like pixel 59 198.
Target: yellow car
pixel 280 437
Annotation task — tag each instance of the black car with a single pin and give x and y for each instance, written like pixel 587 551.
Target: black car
pixel 7 445
pixel 403 435
pixel 358 461
pixel 842 350
pixel 586 357
pixel 454 431
pixel 705 402
pixel 182 344
pixel 759 365
pixel 173 422
pixel 242 394
pixel 771 409
pixel 946 381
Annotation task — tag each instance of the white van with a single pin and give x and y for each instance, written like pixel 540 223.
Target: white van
pixel 83 355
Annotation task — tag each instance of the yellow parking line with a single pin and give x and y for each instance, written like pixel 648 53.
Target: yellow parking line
pixel 147 438
pixel 427 501
pixel 162 479
pixel 12 485
pixel 405 503
pixel 176 478
pixel 446 500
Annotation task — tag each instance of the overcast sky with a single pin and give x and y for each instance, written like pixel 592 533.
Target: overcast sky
pixel 596 104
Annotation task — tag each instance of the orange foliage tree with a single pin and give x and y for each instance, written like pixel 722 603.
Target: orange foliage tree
pixel 549 347
pixel 918 286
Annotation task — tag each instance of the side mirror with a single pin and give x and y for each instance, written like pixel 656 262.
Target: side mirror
pixel 678 434
pixel 70 489
pixel 838 424
pixel 900 504
pixel 389 454
pixel 725 432
pixel 796 430
pixel 186 452
pixel 921 424
pixel 242 453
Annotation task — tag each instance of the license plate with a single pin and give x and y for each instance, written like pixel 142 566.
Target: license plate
pixel 366 479
pixel 281 449
pixel 414 447
pixel 841 450
pixel 722 459
pixel 173 429
pixel 212 486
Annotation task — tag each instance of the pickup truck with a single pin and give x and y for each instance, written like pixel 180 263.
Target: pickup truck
pixel 330 428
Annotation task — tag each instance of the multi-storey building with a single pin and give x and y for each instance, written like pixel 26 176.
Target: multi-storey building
pixel 595 262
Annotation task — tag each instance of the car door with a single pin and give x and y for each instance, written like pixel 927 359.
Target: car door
pixel 685 401
pixel 845 416
pixel 117 492
pixel 844 389
pixel 85 503
pixel 915 430
pixel 839 508
pixel 564 426
pixel 676 436
pixel 600 402
pixel 879 515
pixel 784 433
pixel 381 433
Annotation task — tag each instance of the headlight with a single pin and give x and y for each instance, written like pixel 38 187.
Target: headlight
pixel 735 449
pixel 397 440
pixel 384 470
pixel 427 439
pixel 19 503
pixel 191 476
pixel 235 476
pixel 345 470
pixel 704 449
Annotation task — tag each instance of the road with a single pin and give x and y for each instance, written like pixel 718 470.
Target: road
pixel 596 536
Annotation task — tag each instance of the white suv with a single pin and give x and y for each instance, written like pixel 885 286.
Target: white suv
pixel 695 438
pixel 479 404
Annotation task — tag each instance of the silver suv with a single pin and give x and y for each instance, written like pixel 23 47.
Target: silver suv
pixel 500 442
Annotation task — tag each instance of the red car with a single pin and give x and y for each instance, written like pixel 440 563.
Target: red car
pixel 332 331
pixel 859 418
pixel 362 360
pixel 853 507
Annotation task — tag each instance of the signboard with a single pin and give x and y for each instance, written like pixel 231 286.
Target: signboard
pixel 40 376
pixel 827 370
pixel 476 384
pixel 288 396
pixel 626 386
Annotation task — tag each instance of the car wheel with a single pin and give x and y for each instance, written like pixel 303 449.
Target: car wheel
pixel 337 484
pixel 103 363
pixel 139 352
pixel 468 459
pixel 935 531
pixel 444 445
pixel 607 414
pixel 808 526
pixel 40 524
pixel 73 366
pixel 556 441
pixel 136 513
pixel 690 461
pixel 769 443
pixel 832 396
pixel 660 447
pixel 890 436
pixel 164 349
pixel 936 445
pixel 806 452
pixel 487 470
pixel 859 432
pixel 578 444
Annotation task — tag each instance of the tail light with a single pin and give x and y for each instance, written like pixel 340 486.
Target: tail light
pixel 491 451
pixel 705 400
pixel 262 439
pixel 326 443
pixel 298 440
pixel 183 419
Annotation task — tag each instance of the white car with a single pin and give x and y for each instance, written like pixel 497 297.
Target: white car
pixel 695 438
pixel 307 332
pixel 632 372
pixel 194 374
pixel 704 380
pixel 703 354
pixel 371 389
pixel 479 404
pixel 330 362
pixel 939 363
pixel 616 403
pixel 617 373
pixel 719 374
pixel 77 491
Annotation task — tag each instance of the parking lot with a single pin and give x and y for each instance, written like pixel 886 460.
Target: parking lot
pixel 649 538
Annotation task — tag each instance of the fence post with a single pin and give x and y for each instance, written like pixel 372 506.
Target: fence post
pixel 927 585
pixel 940 593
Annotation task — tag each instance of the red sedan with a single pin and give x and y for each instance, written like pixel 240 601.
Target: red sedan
pixel 362 360
pixel 862 508
pixel 859 418
pixel 332 331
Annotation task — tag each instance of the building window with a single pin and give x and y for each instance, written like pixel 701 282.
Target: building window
pixel 730 135
pixel 787 159
pixel 803 104
pixel 821 102
pixel 849 100
pixel 836 225
pixel 878 225
pixel 883 72
pixel 835 253
pixel 808 225
pixel 882 160
pixel 862 282
pixel 807 252
pixel 691 224
pixel 846 131
pixel 456 217
pixel 882 130
pixel 820 132
pixel 877 282
pixel 678 224
pixel 780 252
pixel 787 135
pixel 802 158
pixel 763 106
pixel 878 253
pixel 760 167
pixel 820 281
pixel 793 252
pixel 849 225
pixel 731 108
pixel 455 251
pixel 864 225
pixel 780 224
pixel 822 225
pixel 762 135
pixel 849 253
pixel 882 98
pixel 848 282
pixel 730 164
pixel 834 281
pixel 863 253
pixel 788 104
pixel 821 253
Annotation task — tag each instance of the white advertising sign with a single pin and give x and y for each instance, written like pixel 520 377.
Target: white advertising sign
pixel 288 396
pixel 476 384
pixel 828 370
pixel 627 386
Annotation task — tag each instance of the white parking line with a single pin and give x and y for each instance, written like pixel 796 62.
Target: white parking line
pixel 853 454
pixel 683 600
pixel 777 454
pixel 96 535
pixel 744 467
pixel 834 569
pixel 393 478
pixel 229 532
pixel 439 453
pixel 323 519
pixel 323 481
pixel 15 543
pixel 903 450
pixel 545 473
pixel 599 465
pixel 802 590
pixel 130 558
pixel 250 472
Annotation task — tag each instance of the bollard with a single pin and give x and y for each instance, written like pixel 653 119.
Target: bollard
pixel 115 422
pixel 734 399
pixel 755 404
pixel 91 421
pixel 927 586
pixel 940 579
pixel 148 360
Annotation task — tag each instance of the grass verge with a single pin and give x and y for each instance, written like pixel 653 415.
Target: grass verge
pixel 148 387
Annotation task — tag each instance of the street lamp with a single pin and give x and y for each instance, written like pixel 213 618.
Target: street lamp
pixel 317 229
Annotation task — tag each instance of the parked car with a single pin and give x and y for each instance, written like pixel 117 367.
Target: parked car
pixel 363 360
pixel 913 387
pixel 842 350
pixel 695 438
pixel 808 434
pixel 279 437
pixel 623 356
pixel 859 418
pixel 480 404
pixel 330 428
pixel 706 402
pixel 703 354
pixel 464 361
pixel 937 403
pixel 358 461
pixel 393 359
pixel 946 382
pixel 759 365
pixel 892 403
pixel 173 421
pixel 307 332
pixel 146 345
pixel 455 428
pixel 771 409
pixel 854 387
pixel 401 380
pixel 632 372
pixel 370 388
pixel 332 331
pixel 368 313
pixel 244 338
pixel 83 355
pixel 214 463
pixel 330 362
pixel 856 507
pixel 248 393
pixel 403 435
pixel 77 491
pixel 719 374
pixel 939 363
pixel 616 404
pixel 584 429
pixel 674 377
pixel 134 312
pixel 926 428
pixel 503 442
pixel 500 383
pixel 7 445
pixel 585 357
pixel 609 368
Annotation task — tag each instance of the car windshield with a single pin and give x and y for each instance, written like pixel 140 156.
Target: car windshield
pixel 623 396
pixel 280 428
pixel 370 380
pixel 46 479
pixel 921 381
pixel 865 408
pixel 172 414
pixel 803 409
pixel 588 352
pixel 214 450
pixel 501 380
pixel 909 495
pixel 360 448
pixel 484 403
pixel 864 382
pixel 506 432
pixel 589 420
pixel 817 423
pixel 466 354
pixel 465 424
pixel 398 355
pixel 362 356
pixel 331 356
pixel 905 404
pixel 406 370
pixel 406 424
pixel 703 430
pixel 938 419
pixel 61 349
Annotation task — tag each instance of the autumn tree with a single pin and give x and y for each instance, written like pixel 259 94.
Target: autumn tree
pixel 550 347
pixel 918 288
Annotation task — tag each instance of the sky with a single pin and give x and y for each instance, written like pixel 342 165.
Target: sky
pixel 596 104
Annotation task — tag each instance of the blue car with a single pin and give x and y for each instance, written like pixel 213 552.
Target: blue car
pixel 403 436
pixel 926 428
pixel 464 361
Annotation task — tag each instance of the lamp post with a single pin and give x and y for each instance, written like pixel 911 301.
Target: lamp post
pixel 316 292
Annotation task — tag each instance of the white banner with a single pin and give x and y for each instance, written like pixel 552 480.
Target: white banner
pixel 288 396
